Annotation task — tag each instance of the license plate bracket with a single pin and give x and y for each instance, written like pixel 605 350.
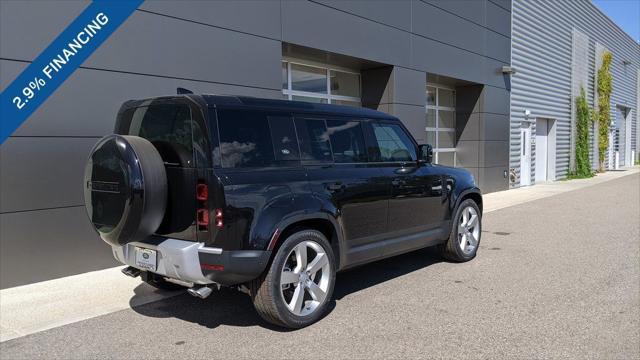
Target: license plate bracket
pixel 146 258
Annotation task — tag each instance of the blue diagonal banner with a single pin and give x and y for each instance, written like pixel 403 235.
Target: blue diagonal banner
pixel 59 60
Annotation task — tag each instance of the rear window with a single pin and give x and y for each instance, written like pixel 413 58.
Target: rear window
pixel 169 128
pixel 314 139
pixel 256 139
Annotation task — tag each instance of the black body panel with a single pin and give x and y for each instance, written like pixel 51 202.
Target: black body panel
pixel 369 208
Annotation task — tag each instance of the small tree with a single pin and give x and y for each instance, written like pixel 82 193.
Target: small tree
pixel 583 114
pixel 604 101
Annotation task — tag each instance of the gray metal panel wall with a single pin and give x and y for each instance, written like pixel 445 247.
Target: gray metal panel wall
pixel 541 53
pixel 231 47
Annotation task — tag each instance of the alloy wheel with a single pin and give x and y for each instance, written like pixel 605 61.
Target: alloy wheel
pixel 304 278
pixel 468 230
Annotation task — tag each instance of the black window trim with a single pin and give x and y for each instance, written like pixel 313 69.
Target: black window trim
pixel 365 122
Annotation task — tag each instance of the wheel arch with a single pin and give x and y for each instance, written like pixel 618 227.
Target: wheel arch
pixel 321 222
pixel 473 194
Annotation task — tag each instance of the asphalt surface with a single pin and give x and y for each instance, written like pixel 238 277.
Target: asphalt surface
pixel 558 277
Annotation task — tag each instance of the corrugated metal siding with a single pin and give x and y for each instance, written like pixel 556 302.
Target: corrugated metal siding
pixel 542 55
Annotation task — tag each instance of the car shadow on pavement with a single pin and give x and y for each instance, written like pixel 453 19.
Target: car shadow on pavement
pixel 233 308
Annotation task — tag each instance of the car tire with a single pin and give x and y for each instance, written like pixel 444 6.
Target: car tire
pixel 284 294
pixel 466 231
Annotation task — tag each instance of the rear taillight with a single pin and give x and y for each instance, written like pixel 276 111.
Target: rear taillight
pixel 203 219
pixel 202 192
pixel 202 214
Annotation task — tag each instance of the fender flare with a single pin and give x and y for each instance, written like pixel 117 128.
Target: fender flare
pixel 473 190
pixel 319 215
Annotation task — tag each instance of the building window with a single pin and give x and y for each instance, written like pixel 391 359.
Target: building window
pixel 312 83
pixel 441 123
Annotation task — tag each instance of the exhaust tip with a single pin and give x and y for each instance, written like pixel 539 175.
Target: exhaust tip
pixel 201 292
pixel 131 271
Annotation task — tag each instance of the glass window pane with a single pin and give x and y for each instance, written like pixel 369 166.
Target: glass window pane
pixel 394 144
pixel 431 138
pixel 347 141
pixel 446 158
pixel 431 95
pixel 431 118
pixel 169 128
pixel 313 139
pixel 309 99
pixel 346 102
pixel 307 78
pixel 446 98
pixel 283 137
pixel 242 139
pixel 447 119
pixel 285 78
pixel 345 84
pixel 446 139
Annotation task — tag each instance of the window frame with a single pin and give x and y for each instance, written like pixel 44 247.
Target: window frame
pixel 437 129
pixel 289 92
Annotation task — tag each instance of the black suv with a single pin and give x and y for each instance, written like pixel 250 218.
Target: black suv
pixel 270 196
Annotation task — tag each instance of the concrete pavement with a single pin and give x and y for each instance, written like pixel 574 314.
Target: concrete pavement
pixel 534 271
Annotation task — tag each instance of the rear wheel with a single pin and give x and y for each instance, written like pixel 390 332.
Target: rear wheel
pixel 464 239
pixel 295 290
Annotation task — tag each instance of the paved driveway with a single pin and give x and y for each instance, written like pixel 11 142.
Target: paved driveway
pixel 557 277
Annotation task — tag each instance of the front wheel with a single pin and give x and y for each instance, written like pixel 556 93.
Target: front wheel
pixel 466 230
pixel 295 290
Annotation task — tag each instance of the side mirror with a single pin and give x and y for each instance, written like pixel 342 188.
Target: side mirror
pixel 425 153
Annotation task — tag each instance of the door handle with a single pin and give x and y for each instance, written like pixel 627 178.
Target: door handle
pixel 335 186
pixel 396 182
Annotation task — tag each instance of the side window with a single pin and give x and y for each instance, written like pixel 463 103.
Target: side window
pixel 244 140
pixel 283 136
pixel 169 128
pixel 313 138
pixel 347 141
pixel 393 142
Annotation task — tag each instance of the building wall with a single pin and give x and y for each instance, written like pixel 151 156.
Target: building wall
pixel 227 47
pixel 542 53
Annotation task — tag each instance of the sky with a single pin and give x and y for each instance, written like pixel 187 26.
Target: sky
pixel 625 13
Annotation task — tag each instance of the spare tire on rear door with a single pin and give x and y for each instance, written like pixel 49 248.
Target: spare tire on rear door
pixel 125 188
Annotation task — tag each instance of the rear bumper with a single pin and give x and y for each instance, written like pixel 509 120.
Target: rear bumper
pixel 193 262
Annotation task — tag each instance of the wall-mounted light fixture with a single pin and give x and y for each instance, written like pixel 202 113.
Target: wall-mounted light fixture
pixel 509 70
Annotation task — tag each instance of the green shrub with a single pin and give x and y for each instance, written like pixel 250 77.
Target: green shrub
pixel 583 120
pixel 604 108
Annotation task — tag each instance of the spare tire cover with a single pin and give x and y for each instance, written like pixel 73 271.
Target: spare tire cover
pixel 125 188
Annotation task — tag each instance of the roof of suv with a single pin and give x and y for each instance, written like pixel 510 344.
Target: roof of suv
pixel 271 104
pixel 290 105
